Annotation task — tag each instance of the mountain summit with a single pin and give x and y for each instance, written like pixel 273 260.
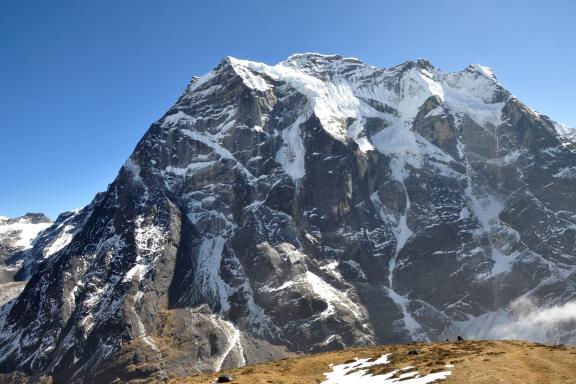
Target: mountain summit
pixel 312 205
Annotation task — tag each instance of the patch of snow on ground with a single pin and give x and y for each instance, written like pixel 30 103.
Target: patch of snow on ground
pixel 356 372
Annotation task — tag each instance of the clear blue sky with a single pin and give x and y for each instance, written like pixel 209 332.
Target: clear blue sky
pixel 81 81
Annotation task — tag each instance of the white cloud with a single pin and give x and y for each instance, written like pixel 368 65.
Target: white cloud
pixel 528 321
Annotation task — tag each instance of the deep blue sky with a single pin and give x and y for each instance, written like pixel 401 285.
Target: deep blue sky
pixel 81 81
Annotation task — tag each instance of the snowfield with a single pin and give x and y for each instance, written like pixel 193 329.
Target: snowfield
pixel 25 231
pixel 357 372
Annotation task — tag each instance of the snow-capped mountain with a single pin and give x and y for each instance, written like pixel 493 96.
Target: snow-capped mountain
pixel 312 205
pixel 17 235
pixel 27 240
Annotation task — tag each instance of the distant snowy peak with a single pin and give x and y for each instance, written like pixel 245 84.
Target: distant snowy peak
pixel 18 238
pixel 22 231
pixel 31 218
pixel 40 240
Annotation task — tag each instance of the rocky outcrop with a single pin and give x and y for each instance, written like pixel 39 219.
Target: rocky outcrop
pixel 308 206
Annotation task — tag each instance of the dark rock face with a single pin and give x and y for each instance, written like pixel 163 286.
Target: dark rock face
pixel 317 204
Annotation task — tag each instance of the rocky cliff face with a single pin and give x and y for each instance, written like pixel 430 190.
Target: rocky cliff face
pixel 312 205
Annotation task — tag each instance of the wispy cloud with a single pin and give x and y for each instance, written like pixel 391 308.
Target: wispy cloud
pixel 556 324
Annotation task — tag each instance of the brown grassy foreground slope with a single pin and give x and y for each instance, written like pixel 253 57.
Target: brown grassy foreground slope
pixel 475 362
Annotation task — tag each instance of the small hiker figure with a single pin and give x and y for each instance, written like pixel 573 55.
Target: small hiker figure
pixel 460 338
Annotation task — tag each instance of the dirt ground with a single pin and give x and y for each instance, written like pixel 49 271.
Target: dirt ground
pixel 475 362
